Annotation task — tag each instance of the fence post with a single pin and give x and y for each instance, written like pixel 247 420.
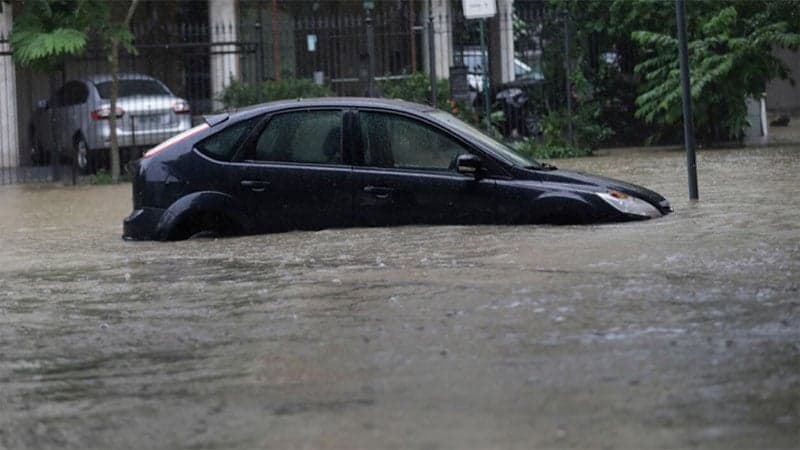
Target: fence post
pixel 485 78
pixel 260 53
pixel 370 51
pixel 432 54
pixel 567 84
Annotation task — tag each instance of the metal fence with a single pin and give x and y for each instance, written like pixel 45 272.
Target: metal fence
pixel 178 72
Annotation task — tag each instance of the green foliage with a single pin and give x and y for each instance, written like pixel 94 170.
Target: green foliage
pixel 239 94
pixel 730 49
pixel 101 177
pixel 589 132
pixel 416 88
pixel 48 30
pixel 731 59
pixel 32 47
pixel 535 150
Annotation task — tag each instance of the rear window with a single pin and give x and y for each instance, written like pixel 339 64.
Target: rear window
pixel 133 88
pixel 223 145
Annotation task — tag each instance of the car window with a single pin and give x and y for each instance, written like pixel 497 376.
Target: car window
pixel 302 137
pixel 75 93
pixel 223 145
pixel 392 140
pixel 58 98
pixel 133 88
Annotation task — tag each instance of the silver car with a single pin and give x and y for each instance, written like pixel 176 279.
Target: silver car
pixel 75 121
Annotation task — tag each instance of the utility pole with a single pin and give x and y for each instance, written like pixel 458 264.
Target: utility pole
pixel 688 123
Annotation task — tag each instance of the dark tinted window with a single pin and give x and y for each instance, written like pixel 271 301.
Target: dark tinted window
pixel 74 93
pixel 132 88
pixel 224 144
pixel 302 137
pixel 58 98
pixel 396 141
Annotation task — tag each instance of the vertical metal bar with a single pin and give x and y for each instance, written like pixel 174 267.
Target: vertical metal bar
pixel 688 124
pixel 567 84
pixel 276 47
pixel 261 69
pixel 412 19
pixel 432 55
pixel 370 55
pixel 485 80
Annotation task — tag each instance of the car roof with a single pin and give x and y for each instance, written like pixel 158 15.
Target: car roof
pixel 334 102
pixel 104 77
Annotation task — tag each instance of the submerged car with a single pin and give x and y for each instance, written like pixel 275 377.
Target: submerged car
pixel 343 162
pixel 75 121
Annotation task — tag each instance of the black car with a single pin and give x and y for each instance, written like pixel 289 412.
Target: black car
pixel 341 162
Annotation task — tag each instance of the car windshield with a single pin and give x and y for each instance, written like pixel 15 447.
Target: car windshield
pixel 132 88
pixel 498 148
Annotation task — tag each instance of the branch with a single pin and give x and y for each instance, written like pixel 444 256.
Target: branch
pixel 129 16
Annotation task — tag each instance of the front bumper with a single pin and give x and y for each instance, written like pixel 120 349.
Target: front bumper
pixel 141 224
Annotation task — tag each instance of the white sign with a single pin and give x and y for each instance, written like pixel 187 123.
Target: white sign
pixel 311 41
pixel 479 9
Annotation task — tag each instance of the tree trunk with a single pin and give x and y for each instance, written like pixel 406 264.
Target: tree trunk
pixel 112 119
pixel 114 63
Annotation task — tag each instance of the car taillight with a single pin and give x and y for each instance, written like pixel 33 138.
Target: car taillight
pixel 181 107
pixel 105 113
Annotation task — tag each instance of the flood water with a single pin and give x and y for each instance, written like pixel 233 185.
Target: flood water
pixel 682 332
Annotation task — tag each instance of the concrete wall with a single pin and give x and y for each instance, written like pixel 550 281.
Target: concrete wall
pixel 443 37
pixel 501 44
pixel 9 132
pixel 782 97
pixel 223 18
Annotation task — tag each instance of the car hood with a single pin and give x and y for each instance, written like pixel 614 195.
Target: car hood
pixel 601 184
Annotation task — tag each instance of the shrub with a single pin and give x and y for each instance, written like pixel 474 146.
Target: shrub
pixel 239 94
pixel 101 177
pixel 416 88
pixel 532 149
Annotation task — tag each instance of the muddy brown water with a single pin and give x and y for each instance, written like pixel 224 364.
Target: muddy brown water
pixel 680 332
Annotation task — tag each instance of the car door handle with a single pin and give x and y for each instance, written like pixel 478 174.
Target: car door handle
pixel 255 185
pixel 378 191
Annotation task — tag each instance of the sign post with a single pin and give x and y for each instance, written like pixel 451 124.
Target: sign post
pixel 688 124
pixel 482 9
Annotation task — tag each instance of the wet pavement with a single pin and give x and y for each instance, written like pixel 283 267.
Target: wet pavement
pixel 682 332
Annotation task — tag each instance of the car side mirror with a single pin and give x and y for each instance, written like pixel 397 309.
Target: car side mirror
pixel 468 164
pixel 42 104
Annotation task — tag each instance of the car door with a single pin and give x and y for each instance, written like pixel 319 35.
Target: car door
pixel 406 175
pixel 295 172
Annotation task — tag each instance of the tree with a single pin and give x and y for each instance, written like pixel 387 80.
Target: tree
pixel 731 59
pixel 48 31
pixel 116 35
pixel 730 55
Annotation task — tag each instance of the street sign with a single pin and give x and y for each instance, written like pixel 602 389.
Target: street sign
pixel 479 9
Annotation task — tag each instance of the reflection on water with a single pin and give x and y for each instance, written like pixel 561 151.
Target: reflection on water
pixel 677 332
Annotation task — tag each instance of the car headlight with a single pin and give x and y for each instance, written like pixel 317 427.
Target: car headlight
pixel 629 205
